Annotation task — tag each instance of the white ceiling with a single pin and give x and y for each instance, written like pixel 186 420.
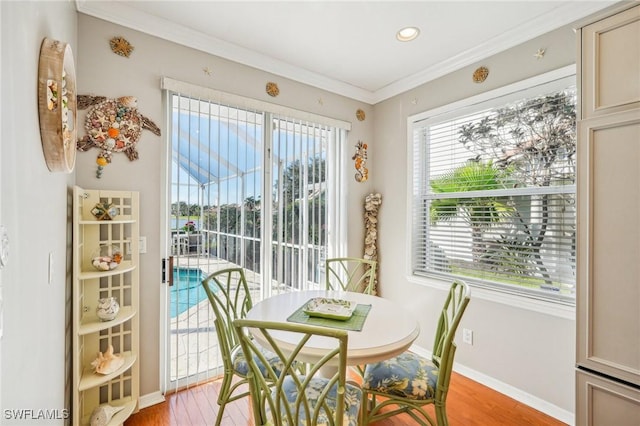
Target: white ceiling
pixel 347 47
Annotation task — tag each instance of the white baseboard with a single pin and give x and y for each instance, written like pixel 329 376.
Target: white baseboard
pixel 150 399
pixel 508 390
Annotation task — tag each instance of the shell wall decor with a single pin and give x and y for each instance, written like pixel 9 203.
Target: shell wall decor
pixel 120 46
pixel 372 204
pixel 57 105
pixel 480 74
pixel 360 162
pixel 112 125
pixel 272 89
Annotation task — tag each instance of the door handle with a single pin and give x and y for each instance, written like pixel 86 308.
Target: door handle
pixel 167 271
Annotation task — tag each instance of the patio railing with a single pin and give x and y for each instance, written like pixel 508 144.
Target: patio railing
pixel 286 257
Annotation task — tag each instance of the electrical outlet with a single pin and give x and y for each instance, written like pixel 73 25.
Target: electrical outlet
pixel 467 336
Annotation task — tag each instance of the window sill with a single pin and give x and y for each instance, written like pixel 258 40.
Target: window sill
pixel 513 300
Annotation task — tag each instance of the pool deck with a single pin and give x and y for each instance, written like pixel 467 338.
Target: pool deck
pixel 194 344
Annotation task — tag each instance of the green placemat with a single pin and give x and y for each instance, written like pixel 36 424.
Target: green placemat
pixel 355 323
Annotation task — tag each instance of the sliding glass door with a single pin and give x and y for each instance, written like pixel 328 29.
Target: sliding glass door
pixel 248 188
pixel 216 189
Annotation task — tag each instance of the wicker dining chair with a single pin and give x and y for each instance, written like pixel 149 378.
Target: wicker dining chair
pixel 230 299
pixel 410 382
pixel 295 399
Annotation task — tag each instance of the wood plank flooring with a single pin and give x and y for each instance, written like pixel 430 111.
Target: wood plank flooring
pixel 469 404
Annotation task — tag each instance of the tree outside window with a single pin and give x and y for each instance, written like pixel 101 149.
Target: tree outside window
pixel 499 194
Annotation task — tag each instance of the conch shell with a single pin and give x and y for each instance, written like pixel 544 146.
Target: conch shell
pixel 102 414
pixel 107 363
pixel 128 101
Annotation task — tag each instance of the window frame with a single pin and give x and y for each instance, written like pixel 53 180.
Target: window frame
pixel 559 79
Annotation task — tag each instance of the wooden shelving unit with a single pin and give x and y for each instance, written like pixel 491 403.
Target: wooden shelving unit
pixel 90 334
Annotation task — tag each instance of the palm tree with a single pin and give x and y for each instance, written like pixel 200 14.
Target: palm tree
pixel 479 213
pixel 536 140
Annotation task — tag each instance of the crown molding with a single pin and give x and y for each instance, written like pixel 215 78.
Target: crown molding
pixel 121 14
pixel 565 15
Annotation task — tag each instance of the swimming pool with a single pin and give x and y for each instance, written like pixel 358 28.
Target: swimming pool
pixel 187 290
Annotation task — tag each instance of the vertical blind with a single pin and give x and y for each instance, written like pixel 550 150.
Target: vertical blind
pixel 300 202
pixel 216 187
pixel 255 189
pixel 494 194
pixel 217 177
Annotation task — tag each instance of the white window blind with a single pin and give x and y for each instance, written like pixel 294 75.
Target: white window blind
pixel 494 193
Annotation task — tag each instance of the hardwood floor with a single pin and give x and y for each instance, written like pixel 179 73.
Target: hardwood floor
pixel 468 404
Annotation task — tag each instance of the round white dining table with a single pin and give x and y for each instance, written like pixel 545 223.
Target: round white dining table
pixel 388 329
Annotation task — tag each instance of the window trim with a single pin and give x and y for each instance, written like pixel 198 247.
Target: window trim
pixel 513 300
pixel 562 308
pixel 238 101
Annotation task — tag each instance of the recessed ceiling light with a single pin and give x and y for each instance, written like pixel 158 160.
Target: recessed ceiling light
pixel 407 33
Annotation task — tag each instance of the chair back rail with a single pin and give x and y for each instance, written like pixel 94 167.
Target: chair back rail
pixel 230 299
pixel 350 274
pixel 286 397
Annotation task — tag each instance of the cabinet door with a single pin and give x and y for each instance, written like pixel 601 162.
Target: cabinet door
pixel 603 402
pixel 611 64
pixel 608 296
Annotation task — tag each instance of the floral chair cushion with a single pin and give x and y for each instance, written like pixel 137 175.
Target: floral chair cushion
pixel 241 366
pixel 407 375
pixel 353 399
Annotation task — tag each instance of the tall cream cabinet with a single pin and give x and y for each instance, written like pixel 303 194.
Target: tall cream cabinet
pixel 105 231
pixel 608 296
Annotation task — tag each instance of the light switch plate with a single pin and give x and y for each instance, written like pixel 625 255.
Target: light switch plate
pixel 50 267
pixel 142 245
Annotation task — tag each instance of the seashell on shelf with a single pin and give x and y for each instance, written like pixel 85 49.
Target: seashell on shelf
pixel 108 362
pixel 102 414
pixel 107 309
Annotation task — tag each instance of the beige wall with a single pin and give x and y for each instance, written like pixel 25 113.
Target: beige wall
pixel 100 72
pixel 519 348
pixel 35 210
